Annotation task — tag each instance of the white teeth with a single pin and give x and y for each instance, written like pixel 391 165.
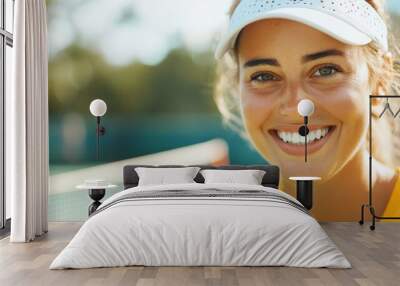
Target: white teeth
pixel 284 137
pixel 296 138
pixel 319 133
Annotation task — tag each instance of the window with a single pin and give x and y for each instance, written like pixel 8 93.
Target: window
pixel 6 44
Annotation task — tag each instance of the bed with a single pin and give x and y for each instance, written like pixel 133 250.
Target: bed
pixel 201 224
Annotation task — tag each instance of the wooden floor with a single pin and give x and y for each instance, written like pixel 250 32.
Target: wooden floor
pixel 375 257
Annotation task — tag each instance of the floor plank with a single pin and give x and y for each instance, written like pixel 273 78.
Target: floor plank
pixel 375 257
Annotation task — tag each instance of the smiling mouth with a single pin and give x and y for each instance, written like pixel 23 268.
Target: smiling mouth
pixel 291 142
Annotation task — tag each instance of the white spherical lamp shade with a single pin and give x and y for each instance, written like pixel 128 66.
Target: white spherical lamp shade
pixel 98 107
pixel 305 107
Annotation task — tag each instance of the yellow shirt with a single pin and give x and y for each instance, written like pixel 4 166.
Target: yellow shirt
pixel 393 206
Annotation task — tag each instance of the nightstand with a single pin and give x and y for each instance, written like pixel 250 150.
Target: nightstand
pixel 97 190
pixel 304 190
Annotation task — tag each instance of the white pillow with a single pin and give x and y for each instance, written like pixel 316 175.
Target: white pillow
pixel 248 177
pixel 161 176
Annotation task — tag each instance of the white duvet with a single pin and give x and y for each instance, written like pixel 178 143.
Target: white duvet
pixel 200 231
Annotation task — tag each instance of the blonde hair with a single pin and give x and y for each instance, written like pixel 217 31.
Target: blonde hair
pixel 384 78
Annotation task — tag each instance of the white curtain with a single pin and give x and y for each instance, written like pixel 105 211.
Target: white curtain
pixel 27 123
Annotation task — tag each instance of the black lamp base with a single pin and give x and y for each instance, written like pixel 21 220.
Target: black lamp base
pixel 96 195
pixel 305 193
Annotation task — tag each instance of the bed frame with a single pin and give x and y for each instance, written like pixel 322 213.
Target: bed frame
pixel 270 179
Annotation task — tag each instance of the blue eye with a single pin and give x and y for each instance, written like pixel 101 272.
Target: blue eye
pixel 263 77
pixel 326 71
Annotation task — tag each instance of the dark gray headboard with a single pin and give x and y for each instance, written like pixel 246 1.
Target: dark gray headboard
pixel 270 179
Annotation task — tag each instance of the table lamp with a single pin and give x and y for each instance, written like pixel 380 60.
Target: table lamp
pixel 305 108
pixel 98 108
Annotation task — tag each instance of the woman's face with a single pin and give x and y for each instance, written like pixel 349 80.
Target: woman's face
pixel 276 70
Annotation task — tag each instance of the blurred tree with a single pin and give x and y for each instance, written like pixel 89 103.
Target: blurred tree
pixel 181 83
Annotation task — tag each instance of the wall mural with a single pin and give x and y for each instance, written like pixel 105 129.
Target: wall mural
pixel 155 67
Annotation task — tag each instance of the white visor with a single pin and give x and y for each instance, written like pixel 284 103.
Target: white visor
pixel 352 22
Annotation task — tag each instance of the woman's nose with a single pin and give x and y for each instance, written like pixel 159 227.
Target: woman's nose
pixel 289 102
